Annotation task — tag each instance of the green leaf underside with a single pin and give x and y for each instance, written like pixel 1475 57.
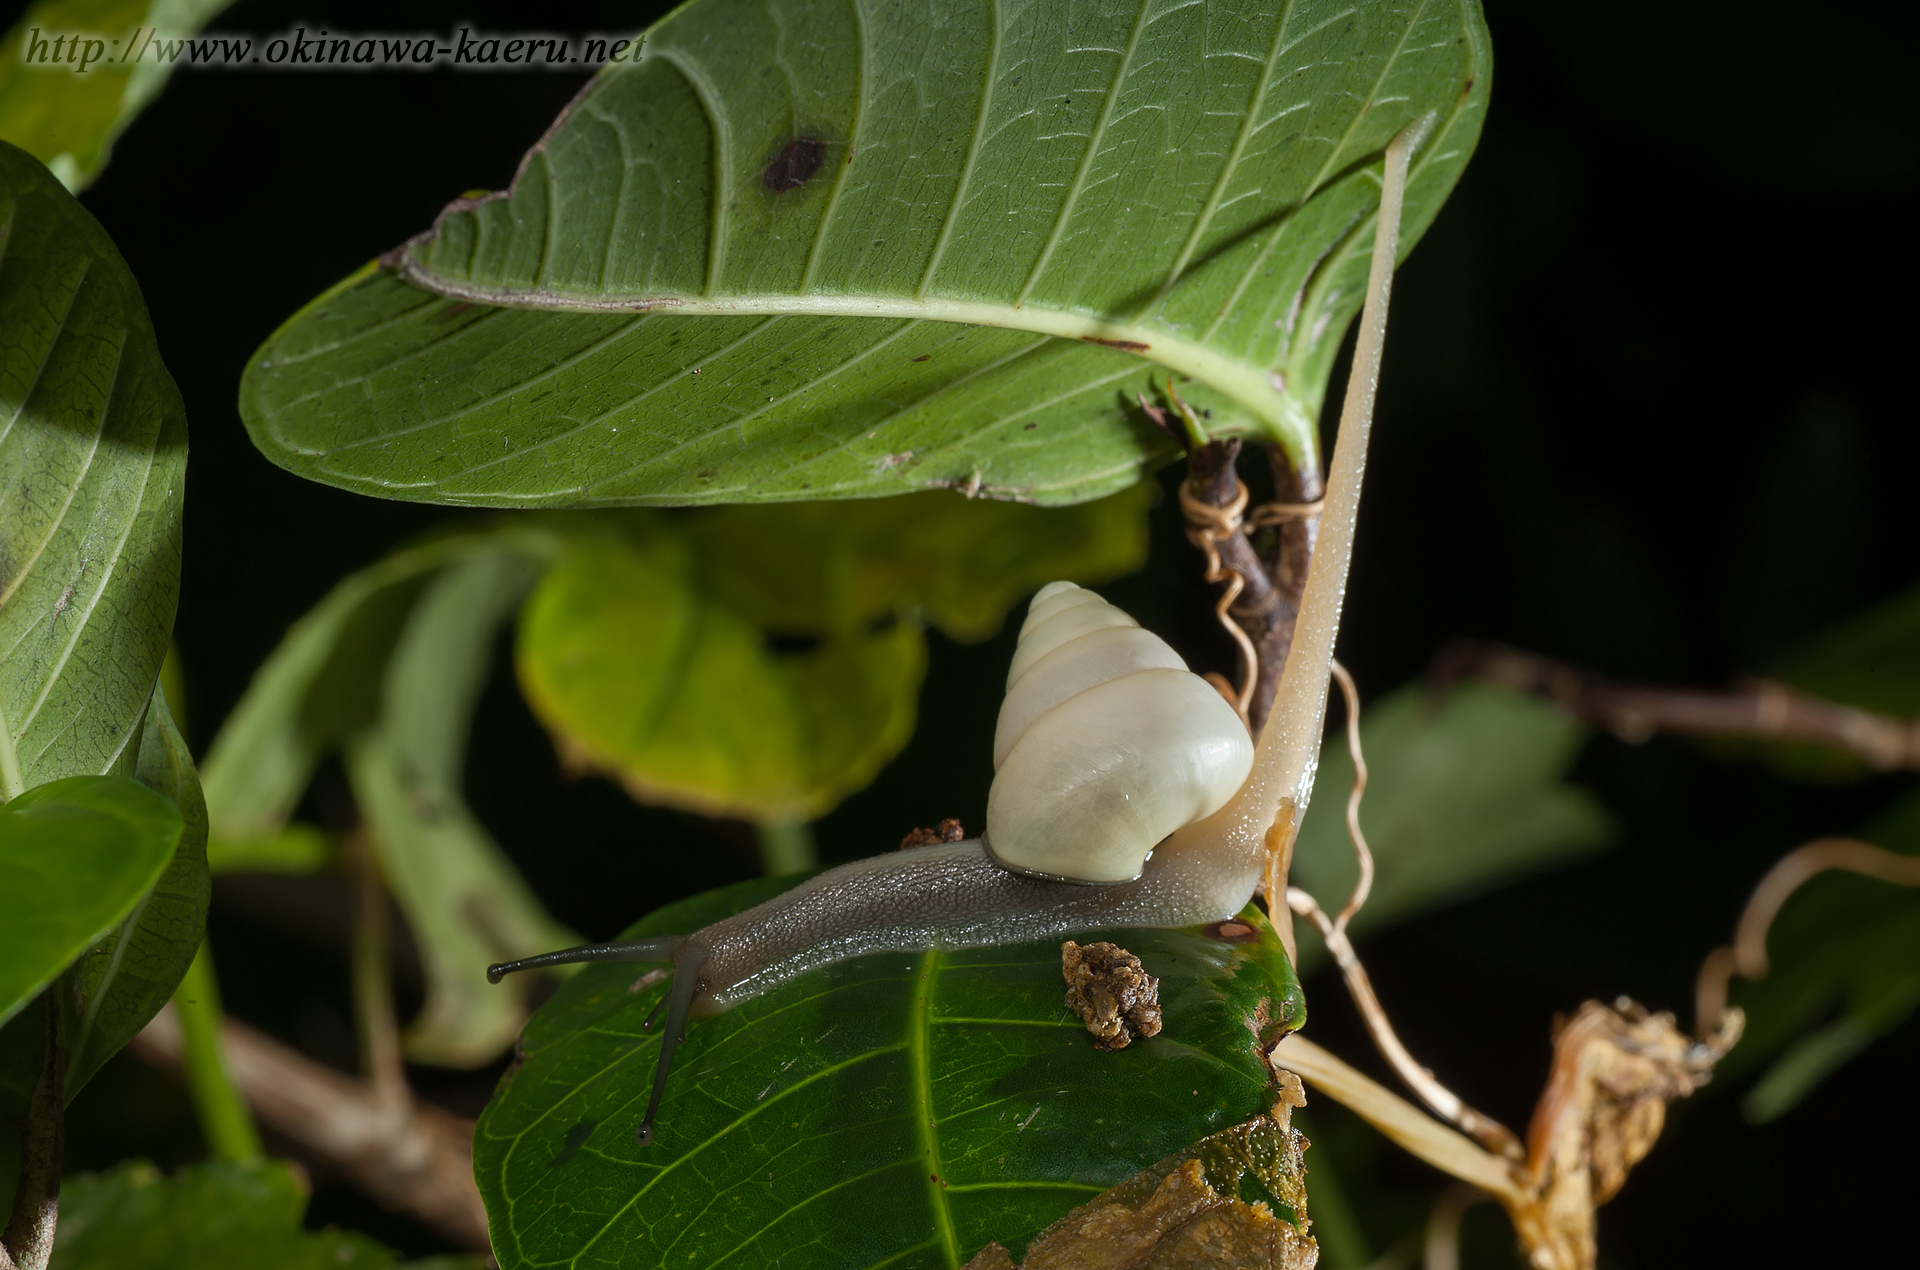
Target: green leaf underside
pixel 999 189
pixel 219 1215
pixel 76 856
pixel 93 449
pixel 898 1110
pixel 69 120
pixel 1464 792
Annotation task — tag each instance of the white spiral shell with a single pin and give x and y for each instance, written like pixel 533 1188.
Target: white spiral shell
pixel 1106 743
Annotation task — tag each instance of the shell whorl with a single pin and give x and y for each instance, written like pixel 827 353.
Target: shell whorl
pixel 1106 743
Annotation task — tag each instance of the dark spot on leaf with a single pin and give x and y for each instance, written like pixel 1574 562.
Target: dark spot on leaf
pixel 454 310
pixel 923 357
pixel 794 166
pixel 575 1139
pixel 791 642
pixel 1125 346
pixel 1030 427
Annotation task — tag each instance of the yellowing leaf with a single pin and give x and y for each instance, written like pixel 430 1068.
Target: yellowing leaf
pixel 640 674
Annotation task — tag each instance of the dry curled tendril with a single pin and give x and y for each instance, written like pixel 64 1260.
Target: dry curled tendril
pixel 1209 525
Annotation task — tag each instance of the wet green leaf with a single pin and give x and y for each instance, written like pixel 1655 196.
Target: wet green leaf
pixel 91 471
pixel 1464 792
pixel 215 1216
pixel 465 903
pixel 898 1110
pixel 76 857
pixel 67 115
pixel 822 251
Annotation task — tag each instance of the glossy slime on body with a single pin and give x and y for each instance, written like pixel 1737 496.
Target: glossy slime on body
pixel 961 895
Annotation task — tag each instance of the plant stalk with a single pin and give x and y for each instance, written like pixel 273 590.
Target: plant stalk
pixel 787 847
pixel 225 1121
pixel 27 1243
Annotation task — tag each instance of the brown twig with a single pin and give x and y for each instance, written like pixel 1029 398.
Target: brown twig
pixel 1262 598
pixel 1747 955
pixel 1287 559
pixel 27 1243
pixel 1759 710
pixel 418 1161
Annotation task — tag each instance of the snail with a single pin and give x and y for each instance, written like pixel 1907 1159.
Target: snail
pixel 1126 790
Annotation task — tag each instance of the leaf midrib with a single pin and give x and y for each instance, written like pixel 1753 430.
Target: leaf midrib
pixel 1245 383
pixel 919 1049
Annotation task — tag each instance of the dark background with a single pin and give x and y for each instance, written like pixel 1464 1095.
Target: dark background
pixel 1647 408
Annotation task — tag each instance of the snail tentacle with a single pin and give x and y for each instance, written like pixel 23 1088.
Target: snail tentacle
pixel 658 948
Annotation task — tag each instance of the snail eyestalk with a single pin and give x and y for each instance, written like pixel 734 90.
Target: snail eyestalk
pixel 659 948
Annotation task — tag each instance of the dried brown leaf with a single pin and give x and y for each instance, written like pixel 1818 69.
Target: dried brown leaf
pixel 1615 1069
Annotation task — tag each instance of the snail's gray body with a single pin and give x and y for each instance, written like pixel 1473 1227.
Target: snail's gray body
pixel 949 896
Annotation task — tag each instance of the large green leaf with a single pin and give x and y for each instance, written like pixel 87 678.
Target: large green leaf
pixel 93 451
pixel 76 856
pixel 215 1216
pixel 1464 792
pixel 464 901
pixel 901 1109
pixel 805 250
pixel 68 117
pixel 121 982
